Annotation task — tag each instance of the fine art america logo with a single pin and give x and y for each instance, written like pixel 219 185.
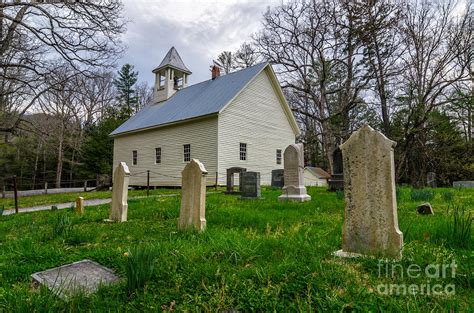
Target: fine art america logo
pixel 431 272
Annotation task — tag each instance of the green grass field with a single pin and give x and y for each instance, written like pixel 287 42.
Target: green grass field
pixel 255 255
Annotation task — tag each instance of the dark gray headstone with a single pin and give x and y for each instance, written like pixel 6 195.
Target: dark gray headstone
pixel 230 178
pixel 278 178
pixel 84 276
pixel 250 182
pixel 336 182
pixel 425 209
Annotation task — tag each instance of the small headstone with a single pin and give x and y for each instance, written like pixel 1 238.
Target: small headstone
pixel 336 182
pixel 250 185
pixel 425 209
pixel 278 178
pixel 80 277
pixel 230 179
pixel 119 207
pixel 370 219
pixel 80 206
pixel 294 189
pixel 54 208
pixel 193 197
pixel 463 184
pixel 431 179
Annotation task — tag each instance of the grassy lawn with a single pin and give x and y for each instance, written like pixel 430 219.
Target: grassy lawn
pixel 29 201
pixel 258 255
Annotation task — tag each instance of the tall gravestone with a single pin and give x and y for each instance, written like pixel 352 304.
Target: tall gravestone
pixel 431 179
pixel 230 178
pixel 294 189
pixel 193 197
pixel 250 182
pixel 336 182
pixel 278 179
pixel 119 207
pixel 370 221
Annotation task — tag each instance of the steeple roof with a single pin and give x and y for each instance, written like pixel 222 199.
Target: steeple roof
pixel 172 59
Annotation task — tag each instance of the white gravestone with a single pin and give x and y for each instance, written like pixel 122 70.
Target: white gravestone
pixel 294 189
pixel 370 221
pixel 119 207
pixel 193 197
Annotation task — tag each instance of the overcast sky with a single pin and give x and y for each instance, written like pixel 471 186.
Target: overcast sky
pixel 199 29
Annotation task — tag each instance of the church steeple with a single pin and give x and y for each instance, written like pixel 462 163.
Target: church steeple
pixel 170 76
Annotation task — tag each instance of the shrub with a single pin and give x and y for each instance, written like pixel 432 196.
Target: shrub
pixel 447 196
pixel 62 225
pixel 422 195
pixel 340 194
pixel 140 266
pixel 456 231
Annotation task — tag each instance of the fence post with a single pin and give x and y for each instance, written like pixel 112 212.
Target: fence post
pixel 147 183
pixel 217 179
pixel 15 194
pixel 85 186
pixel 45 187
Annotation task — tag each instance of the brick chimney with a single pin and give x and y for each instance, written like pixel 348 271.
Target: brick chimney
pixel 216 72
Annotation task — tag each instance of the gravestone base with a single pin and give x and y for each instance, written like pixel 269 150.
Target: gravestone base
pixel 295 194
pixel 347 255
pixel 294 198
pixel 84 277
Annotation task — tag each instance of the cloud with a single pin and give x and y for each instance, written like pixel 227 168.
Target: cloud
pixel 199 30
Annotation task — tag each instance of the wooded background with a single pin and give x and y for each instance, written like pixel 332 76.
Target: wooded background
pixel 405 68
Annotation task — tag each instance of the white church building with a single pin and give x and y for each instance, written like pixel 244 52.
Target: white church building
pixel 241 119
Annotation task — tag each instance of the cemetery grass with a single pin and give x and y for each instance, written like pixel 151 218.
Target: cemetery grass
pixel 255 255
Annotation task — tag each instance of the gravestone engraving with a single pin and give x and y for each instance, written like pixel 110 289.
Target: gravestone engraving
pixel 80 206
pixel 119 206
pixel 230 179
pixel 250 185
pixel 370 219
pixel 294 189
pixel 84 276
pixel 193 197
pixel 431 179
pixel 278 178
pixel 336 182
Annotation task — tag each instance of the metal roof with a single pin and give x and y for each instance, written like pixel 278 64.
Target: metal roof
pixel 172 59
pixel 318 172
pixel 205 98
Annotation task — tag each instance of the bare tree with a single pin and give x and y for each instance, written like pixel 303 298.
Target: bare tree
pixel 33 35
pixel 434 38
pixel 245 56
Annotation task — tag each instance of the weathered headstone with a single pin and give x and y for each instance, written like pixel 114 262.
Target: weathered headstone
pixel 463 184
pixel 278 178
pixel 425 209
pixel 370 221
pixel 294 189
pixel 80 277
pixel 230 179
pixel 250 182
pixel 193 197
pixel 119 207
pixel 431 179
pixel 80 206
pixel 336 182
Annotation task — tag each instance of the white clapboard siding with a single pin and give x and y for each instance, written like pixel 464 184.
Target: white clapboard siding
pixel 201 134
pixel 255 117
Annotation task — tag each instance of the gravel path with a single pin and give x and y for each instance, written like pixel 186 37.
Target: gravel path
pixel 90 202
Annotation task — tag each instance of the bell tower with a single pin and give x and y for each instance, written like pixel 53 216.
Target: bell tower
pixel 170 76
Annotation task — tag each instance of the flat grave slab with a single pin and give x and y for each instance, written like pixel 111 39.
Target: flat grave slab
pixel 85 276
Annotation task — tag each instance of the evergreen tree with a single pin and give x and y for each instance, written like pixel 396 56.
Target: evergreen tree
pixel 127 96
